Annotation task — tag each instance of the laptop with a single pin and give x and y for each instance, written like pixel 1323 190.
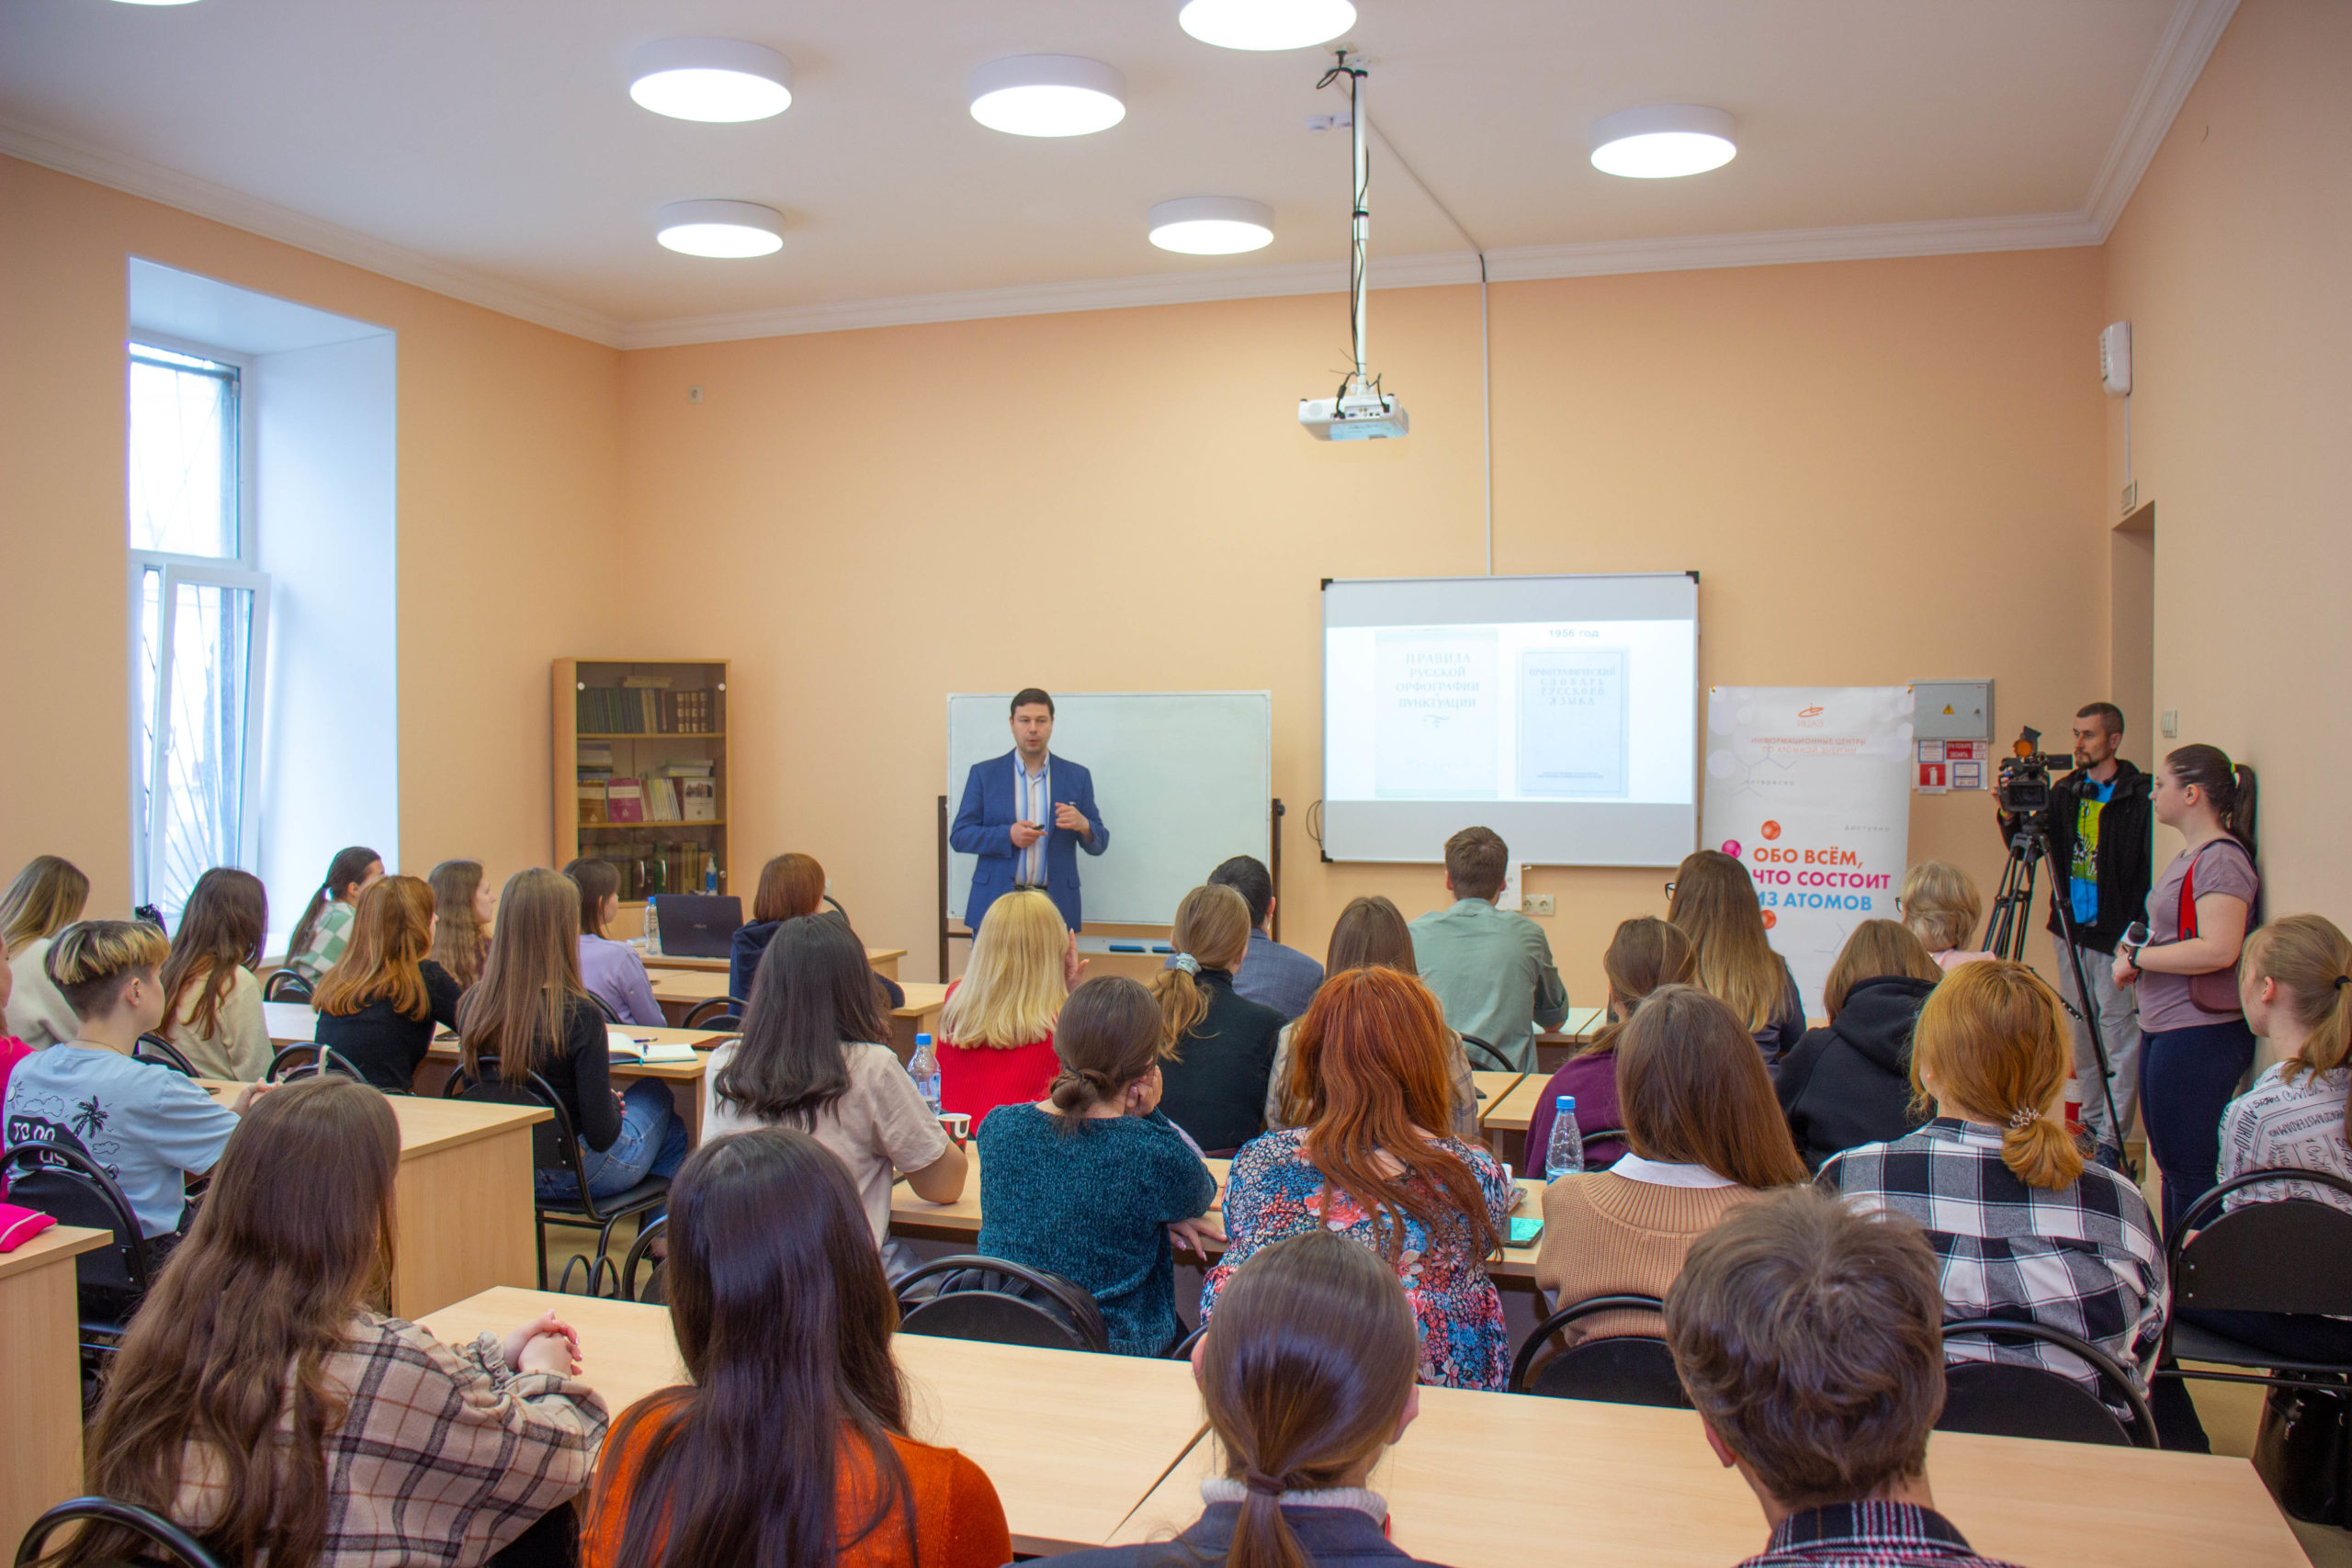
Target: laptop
pixel 698 925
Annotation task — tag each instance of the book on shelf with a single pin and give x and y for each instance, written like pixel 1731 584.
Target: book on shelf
pixel 624 801
pixel 646 682
pixel 661 800
pixel 592 801
pixel 643 710
pixel 698 800
pixel 596 754
pixel 686 768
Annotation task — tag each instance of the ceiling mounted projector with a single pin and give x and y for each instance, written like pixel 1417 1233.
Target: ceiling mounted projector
pixel 1358 417
pixel 1360 410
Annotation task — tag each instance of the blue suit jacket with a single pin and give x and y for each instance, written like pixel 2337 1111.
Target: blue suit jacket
pixel 984 827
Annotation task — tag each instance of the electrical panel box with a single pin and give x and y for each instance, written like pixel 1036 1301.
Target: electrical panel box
pixel 1952 710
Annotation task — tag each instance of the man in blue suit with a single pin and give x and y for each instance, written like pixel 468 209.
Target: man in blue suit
pixel 1026 815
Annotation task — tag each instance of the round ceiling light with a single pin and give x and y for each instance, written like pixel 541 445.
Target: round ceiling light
pixel 157 2
pixel 1049 94
pixel 718 80
pixel 1662 142
pixel 1212 225
pixel 727 229
pixel 1266 24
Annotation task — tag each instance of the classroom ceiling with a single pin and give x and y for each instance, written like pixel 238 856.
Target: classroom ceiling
pixel 489 147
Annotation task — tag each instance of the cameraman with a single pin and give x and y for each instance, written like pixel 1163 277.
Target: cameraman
pixel 2101 828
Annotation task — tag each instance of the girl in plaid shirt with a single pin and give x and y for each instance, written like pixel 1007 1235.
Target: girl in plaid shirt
pixel 260 1401
pixel 2021 1226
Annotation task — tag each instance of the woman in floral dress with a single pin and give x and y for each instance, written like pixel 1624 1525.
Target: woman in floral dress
pixel 1369 1059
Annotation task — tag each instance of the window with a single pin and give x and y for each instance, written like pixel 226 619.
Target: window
pixel 199 618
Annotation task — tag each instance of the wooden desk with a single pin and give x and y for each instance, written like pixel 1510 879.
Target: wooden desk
pixel 1492 1090
pixel 1552 1046
pixel 1510 1114
pixel 684 1078
pixel 463 1198
pixel 960 1221
pixel 918 1015
pixel 40 1374
pixel 885 961
pixel 1071 1442
pixel 1498 1479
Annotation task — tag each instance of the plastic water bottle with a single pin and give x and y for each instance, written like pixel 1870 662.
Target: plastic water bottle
pixel 923 1067
pixel 711 873
pixel 653 926
pixel 1565 1155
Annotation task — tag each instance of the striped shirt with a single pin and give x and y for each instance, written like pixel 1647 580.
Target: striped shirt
pixel 1868 1535
pixel 2298 1125
pixel 1034 791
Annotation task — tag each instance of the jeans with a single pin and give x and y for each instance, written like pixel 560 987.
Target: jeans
pixel 2117 1008
pixel 2187 1076
pixel 652 1142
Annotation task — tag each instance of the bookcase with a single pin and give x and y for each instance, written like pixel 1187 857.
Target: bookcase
pixel 640 772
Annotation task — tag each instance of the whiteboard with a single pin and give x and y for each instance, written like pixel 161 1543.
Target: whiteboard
pixel 1183 780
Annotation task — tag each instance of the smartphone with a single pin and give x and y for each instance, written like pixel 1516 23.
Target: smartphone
pixel 1525 1229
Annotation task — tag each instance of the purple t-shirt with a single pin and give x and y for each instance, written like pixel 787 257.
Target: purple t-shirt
pixel 2223 867
pixel 613 971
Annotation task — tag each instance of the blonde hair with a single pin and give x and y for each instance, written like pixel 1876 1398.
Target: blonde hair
pixel 1012 989
pixel 2309 957
pixel 46 898
pixel 1940 905
pixel 1212 925
pixel 1989 1035
pixel 89 961
pixel 1876 947
pixel 530 981
pixel 1715 904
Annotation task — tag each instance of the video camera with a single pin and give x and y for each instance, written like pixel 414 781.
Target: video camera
pixel 2024 787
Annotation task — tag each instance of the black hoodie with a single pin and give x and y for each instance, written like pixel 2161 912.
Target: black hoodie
pixel 1851 1083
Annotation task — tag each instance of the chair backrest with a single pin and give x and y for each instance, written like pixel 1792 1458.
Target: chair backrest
pixel 1002 1301
pixel 2014 1399
pixel 154 1048
pixel 715 1012
pixel 605 1008
pixel 655 1288
pixel 554 1144
pixel 2270 1255
pixel 285 986
pixel 73 1190
pixel 1183 1349
pixel 152 1530
pixel 307 1060
pixel 1620 1369
pixel 1474 1047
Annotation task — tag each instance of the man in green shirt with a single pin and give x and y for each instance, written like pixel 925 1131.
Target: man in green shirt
pixel 1491 968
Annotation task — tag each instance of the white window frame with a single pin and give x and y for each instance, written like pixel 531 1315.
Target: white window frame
pixel 241 572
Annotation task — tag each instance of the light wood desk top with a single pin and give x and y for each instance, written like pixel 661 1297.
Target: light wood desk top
pixel 1499 1480
pixel 701 985
pixel 429 1125
pixel 884 959
pixel 1492 1089
pixel 444 1049
pixel 923 997
pixel 1071 1442
pixel 56 1245
pixel 1581 1024
pixel 1512 1112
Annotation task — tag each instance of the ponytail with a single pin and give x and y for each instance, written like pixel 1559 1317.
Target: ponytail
pixel 348 866
pixel 2230 786
pixel 2311 960
pixel 1989 1034
pixel 1211 932
pixel 2041 1152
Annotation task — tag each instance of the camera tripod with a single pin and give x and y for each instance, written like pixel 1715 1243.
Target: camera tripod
pixel 2012 914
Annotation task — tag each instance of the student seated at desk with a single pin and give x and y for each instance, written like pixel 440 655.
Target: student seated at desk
pixel 325 926
pixel 808 1058
pixel 1851 1084
pixel 464 905
pixel 379 1007
pixel 1282 978
pixel 1712 898
pixel 1222 1045
pixel 1490 967
pixel 46 898
pixel 1092 1182
pixel 1810 1339
pixel 143 1123
pixel 529 1013
pixel 263 1404
pixel 611 970
pixel 791 885
pixel 1368 931
pixel 788 1445
pixel 1706 1136
pixel 1644 955
pixel 1308 1376
pixel 996 1034
pixel 1371 1164
pixel 212 1002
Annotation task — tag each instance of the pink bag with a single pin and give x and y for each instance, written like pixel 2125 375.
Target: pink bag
pixel 19 1226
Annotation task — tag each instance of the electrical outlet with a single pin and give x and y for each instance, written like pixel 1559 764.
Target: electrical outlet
pixel 2130 498
pixel 694 394
pixel 1536 904
pixel 2171 724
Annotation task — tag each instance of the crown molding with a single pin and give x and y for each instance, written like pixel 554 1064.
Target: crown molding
pixel 2189 38
pixel 136 177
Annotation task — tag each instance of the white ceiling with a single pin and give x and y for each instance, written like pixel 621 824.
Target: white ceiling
pixel 488 147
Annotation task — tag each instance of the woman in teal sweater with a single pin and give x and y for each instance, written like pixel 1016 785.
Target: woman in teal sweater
pixel 1092 1183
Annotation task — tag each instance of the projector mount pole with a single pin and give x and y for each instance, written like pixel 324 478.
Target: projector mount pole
pixel 1360 227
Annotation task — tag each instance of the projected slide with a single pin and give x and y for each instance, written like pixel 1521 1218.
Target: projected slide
pixel 1561 711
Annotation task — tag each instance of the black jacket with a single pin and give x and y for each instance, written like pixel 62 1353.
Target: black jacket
pixel 1332 1538
pixel 1851 1084
pixel 1214 1087
pixel 387 1046
pixel 2126 857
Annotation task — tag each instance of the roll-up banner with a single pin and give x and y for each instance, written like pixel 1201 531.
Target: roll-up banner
pixel 1809 789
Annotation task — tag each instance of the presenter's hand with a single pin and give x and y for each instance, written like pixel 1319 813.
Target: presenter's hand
pixel 1070 817
pixel 1073 966
pixel 1025 834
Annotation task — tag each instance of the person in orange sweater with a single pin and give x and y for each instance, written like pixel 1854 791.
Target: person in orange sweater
pixel 788 1447
pixel 1706 1136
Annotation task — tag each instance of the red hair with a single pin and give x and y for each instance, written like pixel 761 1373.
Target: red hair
pixel 1373 1047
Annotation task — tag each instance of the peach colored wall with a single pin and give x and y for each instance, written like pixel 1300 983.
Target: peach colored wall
pixel 2230 263
pixel 509 522
pixel 1885 471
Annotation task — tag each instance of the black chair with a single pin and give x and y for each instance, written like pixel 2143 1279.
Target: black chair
pixel 2015 1399
pixel 1002 1301
pixel 154 1048
pixel 307 1060
pixel 153 1530
pixel 716 1012
pixel 1602 1135
pixel 1496 1060
pixel 642 1251
pixel 73 1190
pixel 1621 1370
pixel 555 1146
pixel 1183 1349
pixel 2292 1255
pixel 285 986
pixel 605 1008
